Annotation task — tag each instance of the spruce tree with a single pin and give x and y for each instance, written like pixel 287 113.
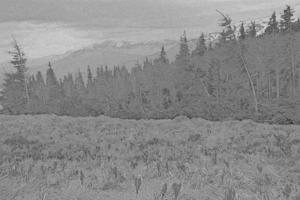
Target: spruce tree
pixel 40 89
pixel 228 32
pixel 51 79
pixel 54 92
pixel 272 25
pixel 287 19
pixel 210 46
pixel 242 34
pixel 15 94
pixel 163 56
pixel 296 25
pixel 68 85
pixel 98 72
pixel 201 46
pixel 184 52
pixel 79 84
pixel 252 30
pixel 89 77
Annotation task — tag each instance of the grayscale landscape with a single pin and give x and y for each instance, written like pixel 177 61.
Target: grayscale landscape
pixel 150 100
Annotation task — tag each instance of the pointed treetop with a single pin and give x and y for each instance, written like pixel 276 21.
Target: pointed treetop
pixel 163 55
pixel 184 35
pixel 184 52
pixel 228 32
pixel 89 73
pixel 286 19
pixel 242 34
pixel 200 47
pixel 272 25
pixel 296 25
pixel 18 57
pixel 252 30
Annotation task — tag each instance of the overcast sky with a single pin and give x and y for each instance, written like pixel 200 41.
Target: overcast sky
pixel 46 27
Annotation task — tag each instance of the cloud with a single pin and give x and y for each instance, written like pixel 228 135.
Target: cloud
pixel 46 27
pixel 41 39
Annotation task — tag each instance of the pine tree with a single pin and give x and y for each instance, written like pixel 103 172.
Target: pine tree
pixel 54 92
pixel 184 52
pixel 272 25
pixel 242 35
pixel 201 47
pixel 37 93
pixel 296 25
pixel 79 85
pixel 163 56
pixel 210 46
pixel 51 79
pixel 40 90
pixel 98 72
pixel 228 31
pixel 15 93
pixel 89 78
pixel 286 19
pixel 68 85
pixel 252 30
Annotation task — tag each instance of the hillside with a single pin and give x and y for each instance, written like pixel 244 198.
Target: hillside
pixel 50 157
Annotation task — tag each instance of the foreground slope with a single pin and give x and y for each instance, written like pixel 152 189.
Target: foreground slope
pixel 50 157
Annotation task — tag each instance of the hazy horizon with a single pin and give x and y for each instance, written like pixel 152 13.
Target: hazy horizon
pixel 45 28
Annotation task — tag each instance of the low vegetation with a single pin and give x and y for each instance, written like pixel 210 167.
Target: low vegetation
pixel 49 157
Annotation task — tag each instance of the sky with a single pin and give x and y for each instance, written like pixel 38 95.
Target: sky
pixel 53 27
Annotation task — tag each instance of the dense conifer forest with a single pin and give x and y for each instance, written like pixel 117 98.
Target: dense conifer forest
pixel 245 75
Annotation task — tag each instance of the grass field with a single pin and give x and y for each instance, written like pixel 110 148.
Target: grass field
pixel 48 157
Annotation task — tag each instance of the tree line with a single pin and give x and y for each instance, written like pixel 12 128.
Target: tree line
pixel 242 76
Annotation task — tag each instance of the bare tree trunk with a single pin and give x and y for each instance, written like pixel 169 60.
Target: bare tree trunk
pixel 292 54
pixel 27 93
pixel 257 85
pixel 262 84
pixel 250 80
pixel 218 89
pixel 277 83
pixel 269 86
pixel 293 71
pixel 204 87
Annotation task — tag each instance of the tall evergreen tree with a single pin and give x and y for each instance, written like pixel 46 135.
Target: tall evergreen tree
pixel 242 34
pixel 286 21
pixel 40 89
pixel 228 32
pixel 51 79
pixel 296 25
pixel 68 85
pixel 252 30
pixel 54 92
pixel 163 56
pixel 98 72
pixel 272 25
pixel 201 46
pixel 79 84
pixel 210 46
pixel 89 77
pixel 184 51
pixel 15 93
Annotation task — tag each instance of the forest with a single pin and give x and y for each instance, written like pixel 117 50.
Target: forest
pixel 245 75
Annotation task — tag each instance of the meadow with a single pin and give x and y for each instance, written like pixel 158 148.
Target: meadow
pixel 46 157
